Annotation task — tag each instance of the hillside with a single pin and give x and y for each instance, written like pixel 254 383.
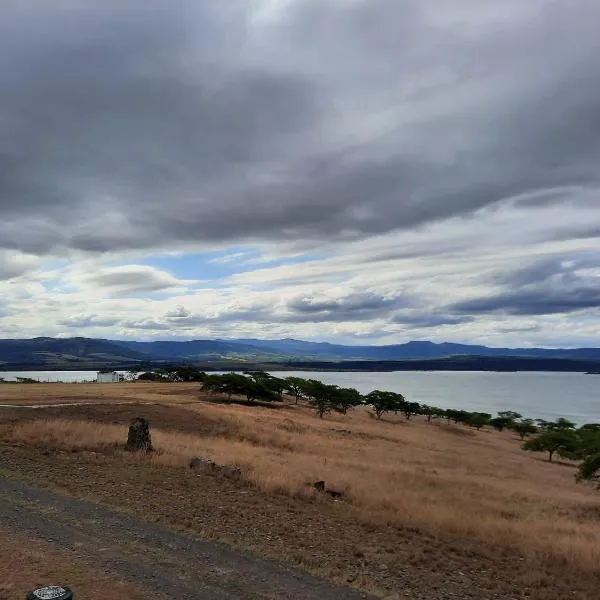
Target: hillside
pixel 86 353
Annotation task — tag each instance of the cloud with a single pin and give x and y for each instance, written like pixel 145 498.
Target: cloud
pixel 139 127
pixel 546 287
pixel 370 168
pixel 130 279
pixel 87 321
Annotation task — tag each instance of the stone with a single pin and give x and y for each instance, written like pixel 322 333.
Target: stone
pixel 334 494
pixel 138 438
pixel 319 486
pixel 199 462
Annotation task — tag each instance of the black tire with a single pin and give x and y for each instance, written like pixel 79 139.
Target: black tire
pixel 51 592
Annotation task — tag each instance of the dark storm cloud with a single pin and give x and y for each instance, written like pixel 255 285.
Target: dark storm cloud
pixel 545 287
pixel 145 124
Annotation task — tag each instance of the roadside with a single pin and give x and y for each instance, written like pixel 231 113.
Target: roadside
pixel 166 563
pixel 26 563
pixel 323 537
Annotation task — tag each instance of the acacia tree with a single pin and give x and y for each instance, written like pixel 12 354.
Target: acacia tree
pixel 524 427
pixel 431 411
pixel 346 399
pixel 321 397
pixel 563 441
pixel 383 402
pixel 478 420
pixel 295 386
pixel 409 408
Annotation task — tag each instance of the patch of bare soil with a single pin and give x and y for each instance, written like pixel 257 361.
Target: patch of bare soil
pixel 27 563
pixel 168 564
pixel 323 536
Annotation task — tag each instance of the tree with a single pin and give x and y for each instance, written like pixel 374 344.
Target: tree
pixel 295 386
pixel 268 381
pixel 229 383
pixel 409 408
pixel 383 402
pixel 499 423
pixel 524 428
pixel 478 420
pixel 458 416
pixel 510 415
pixel 563 441
pixel 589 468
pixel 431 411
pixel 346 399
pixel 321 397
pixel 561 424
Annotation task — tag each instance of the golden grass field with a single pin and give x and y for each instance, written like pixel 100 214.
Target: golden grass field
pixel 445 479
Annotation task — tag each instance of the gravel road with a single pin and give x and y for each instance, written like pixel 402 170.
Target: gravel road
pixel 166 563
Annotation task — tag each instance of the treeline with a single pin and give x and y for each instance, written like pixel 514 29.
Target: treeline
pixel 560 437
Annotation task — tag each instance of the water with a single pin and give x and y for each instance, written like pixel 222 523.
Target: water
pixel 537 395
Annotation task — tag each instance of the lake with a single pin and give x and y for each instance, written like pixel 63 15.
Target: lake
pixel 538 395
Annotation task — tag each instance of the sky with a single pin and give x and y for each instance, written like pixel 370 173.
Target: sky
pixel 356 171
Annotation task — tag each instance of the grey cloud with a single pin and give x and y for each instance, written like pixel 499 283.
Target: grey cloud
pixel 152 124
pixel 425 319
pixel 534 302
pixel 357 306
pixel 130 280
pixel 86 321
pixel 545 287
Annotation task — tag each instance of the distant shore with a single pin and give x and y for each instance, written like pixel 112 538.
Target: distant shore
pixel 454 363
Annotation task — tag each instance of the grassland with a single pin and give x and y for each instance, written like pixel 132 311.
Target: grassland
pixel 429 496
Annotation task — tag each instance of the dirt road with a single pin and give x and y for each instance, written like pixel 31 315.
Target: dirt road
pixel 166 563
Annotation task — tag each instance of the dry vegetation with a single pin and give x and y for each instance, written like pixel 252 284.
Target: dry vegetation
pixel 445 480
pixel 93 393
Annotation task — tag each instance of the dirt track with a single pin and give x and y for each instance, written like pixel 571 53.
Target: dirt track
pixel 166 563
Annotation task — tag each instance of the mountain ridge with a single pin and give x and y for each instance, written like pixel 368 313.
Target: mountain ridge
pixel 81 352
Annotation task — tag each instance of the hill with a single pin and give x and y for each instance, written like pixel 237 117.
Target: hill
pixel 86 353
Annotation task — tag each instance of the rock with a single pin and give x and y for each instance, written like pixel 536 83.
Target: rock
pixel 199 462
pixel 334 494
pixel 138 438
pixel 319 486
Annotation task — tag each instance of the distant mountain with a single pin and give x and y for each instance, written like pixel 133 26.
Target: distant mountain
pixel 58 353
pixel 86 353
pixel 411 350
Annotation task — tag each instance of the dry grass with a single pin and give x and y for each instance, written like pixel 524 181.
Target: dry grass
pixel 84 393
pixel 25 564
pixel 440 478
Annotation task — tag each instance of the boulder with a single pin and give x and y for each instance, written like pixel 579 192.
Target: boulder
pixel 138 438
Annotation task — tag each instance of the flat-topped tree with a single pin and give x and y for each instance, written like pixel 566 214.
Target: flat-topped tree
pixel 383 402
pixel 524 428
pixel 321 397
pixel 295 386
pixel 563 441
pixel 347 398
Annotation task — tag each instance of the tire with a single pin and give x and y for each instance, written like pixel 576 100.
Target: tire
pixel 51 592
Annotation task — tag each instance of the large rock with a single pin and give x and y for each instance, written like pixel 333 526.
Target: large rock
pixel 138 439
